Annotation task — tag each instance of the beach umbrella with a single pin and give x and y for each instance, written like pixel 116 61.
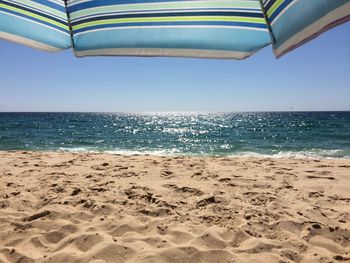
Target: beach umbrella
pixel 189 28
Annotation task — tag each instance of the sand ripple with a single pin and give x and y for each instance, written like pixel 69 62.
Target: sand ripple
pixel 76 207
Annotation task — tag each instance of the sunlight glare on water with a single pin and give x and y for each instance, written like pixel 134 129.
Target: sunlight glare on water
pixel 274 134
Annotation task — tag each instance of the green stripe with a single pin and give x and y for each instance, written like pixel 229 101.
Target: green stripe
pixel 34 16
pixel 274 7
pixel 164 6
pixel 171 19
pixel 45 8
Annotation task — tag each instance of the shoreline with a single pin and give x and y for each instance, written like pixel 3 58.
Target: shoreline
pixel 98 207
pixel 160 153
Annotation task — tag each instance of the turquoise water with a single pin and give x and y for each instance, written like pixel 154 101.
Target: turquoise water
pixel 279 134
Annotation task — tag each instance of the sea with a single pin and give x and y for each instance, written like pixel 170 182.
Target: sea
pixel 264 134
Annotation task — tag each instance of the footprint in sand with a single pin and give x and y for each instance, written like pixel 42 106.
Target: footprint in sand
pixel 167 174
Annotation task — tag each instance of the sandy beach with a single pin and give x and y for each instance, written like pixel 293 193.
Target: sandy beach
pixel 89 207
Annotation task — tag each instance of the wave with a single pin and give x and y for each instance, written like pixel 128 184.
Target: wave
pixel 313 153
pixel 170 152
pixel 78 149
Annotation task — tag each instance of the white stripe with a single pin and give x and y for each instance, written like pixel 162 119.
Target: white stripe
pixel 35 22
pixel 73 3
pixel 159 12
pixel 317 26
pixel 63 18
pixel 166 52
pixel 152 27
pixel 283 11
pixel 266 2
pixel 28 42
pixel 58 2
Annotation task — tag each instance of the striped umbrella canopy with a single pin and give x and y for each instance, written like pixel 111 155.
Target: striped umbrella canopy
pixel 189 28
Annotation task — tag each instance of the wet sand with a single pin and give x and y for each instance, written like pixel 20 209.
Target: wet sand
pixel 87 207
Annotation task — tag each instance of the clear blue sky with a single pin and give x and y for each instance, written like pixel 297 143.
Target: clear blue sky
pixel 313 77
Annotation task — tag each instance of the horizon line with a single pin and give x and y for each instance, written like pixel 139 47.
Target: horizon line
pixel 179 112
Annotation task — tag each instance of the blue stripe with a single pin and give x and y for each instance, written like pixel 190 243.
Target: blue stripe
pixel 184 23
pixel 33 31
pixel 171 10
pixel 97 3
pixel 34 19
pixel 51 4
pixel 171 14
pixel 280 9
pixel 303 14
pixel 269 5
pixel 230 39
pixel 40 13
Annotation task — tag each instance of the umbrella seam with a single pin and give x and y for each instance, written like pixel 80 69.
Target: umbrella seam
pixel 273 40
pixel 69 23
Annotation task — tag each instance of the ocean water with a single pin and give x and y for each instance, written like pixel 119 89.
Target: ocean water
pixel 276 134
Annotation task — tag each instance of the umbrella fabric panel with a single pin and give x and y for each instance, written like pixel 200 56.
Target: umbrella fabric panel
pixel 294 22
pixel 41 24
pixel 213 29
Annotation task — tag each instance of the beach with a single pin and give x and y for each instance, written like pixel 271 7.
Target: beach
pixel 98 207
